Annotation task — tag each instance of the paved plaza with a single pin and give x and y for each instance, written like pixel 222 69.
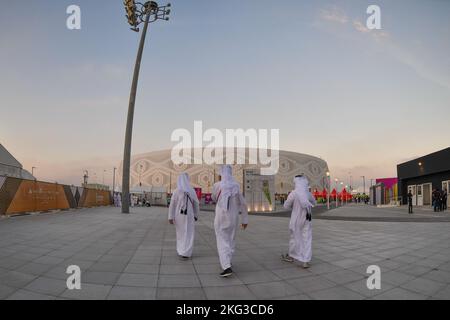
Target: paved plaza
pixel 134 257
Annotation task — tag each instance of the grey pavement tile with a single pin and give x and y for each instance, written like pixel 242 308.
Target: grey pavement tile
pixel 83 264
pixel 137 280
pixel 34 268
pixel 207 268
pixel 88 292
pixel 142 268
pixel 295 297
pixel 106 244
pixel 322 268
pixel 389 264
pixel 336 293
pixel 205 260
pixel 11 263
pixel 132 293
pixel 360 287
pixel 311 284
pixel 423 286
pixel 28 295
pixel 406 259
pixel 347 263
pixel 257 276
pixel 395 278
pixel 96 277
pixel 16 279
pixel 438 275
pixel 180 294
pixel 47 286
pixel 177 269
pixel 48 260
pixel 108 266
pixel 6 291
pixel 399 294
pixel 229 293
pixel 414 270
pixel 343 276
pixel 271 290
pixel 25 256
pixel 293 272
pixel 214 280
pixel 443 293
pixel 430 263
pixel 115 258
pixel 150 260
pixel 178 281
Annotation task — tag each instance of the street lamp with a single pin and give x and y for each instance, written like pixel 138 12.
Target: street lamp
pixel 337 200
pixel 114 180
pixel 364 183
pixel 329 186
pixel 137 13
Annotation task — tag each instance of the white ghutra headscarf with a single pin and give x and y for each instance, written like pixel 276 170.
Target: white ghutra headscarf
pixel 228 187
pixel 302 191
pixel 183 184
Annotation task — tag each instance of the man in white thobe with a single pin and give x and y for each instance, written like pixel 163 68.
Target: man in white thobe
pixel 183 212
pixel 230 203
pixel 301 201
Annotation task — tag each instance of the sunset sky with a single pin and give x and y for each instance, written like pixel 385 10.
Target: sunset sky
pixel 363 100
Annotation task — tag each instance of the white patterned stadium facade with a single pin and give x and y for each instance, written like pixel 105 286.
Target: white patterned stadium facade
pixel 156 169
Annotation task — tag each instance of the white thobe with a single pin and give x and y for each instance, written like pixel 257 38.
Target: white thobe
pixel 226 224
pixel 184 224
pixel 300 243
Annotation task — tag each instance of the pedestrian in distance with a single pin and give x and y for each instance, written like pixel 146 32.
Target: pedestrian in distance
pixel 410 202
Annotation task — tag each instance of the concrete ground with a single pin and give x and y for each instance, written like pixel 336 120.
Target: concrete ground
pixel 362 212
pixel 133 257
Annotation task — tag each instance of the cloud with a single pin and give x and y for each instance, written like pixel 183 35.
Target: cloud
pixel 334 14
pixel 360 27
pixel 385 43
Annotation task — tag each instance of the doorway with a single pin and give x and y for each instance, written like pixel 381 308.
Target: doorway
pixel 427 194
pixel 412 190
pixel 419 195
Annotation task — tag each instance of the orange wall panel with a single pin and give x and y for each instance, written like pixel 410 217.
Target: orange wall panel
pixel 38 196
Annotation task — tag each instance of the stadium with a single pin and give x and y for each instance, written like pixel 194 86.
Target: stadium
pixel 156 169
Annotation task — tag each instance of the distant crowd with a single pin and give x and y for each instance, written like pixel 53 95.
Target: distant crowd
pixel 439 200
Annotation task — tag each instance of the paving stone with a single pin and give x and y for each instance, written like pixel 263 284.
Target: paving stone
pixel 47 286
pixel 336 293
pixel 271 290
pixel 88 292
pixel 137 280
pixel 229 293
pixel 423 286
pixel 180 294
pixel 399 294
pixel 132 293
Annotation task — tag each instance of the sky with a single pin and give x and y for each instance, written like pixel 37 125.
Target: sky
pixel 363 100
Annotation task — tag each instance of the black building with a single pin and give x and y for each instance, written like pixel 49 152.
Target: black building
pixel 422 175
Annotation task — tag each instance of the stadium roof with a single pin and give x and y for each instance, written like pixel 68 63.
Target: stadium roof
pixel 7 158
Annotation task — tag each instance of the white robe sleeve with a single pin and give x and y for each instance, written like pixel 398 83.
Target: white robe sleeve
pixel 196 208
pixel 215 192
pixel 173 206
pixel 288 204
pixel 312 199
pixel 243 209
